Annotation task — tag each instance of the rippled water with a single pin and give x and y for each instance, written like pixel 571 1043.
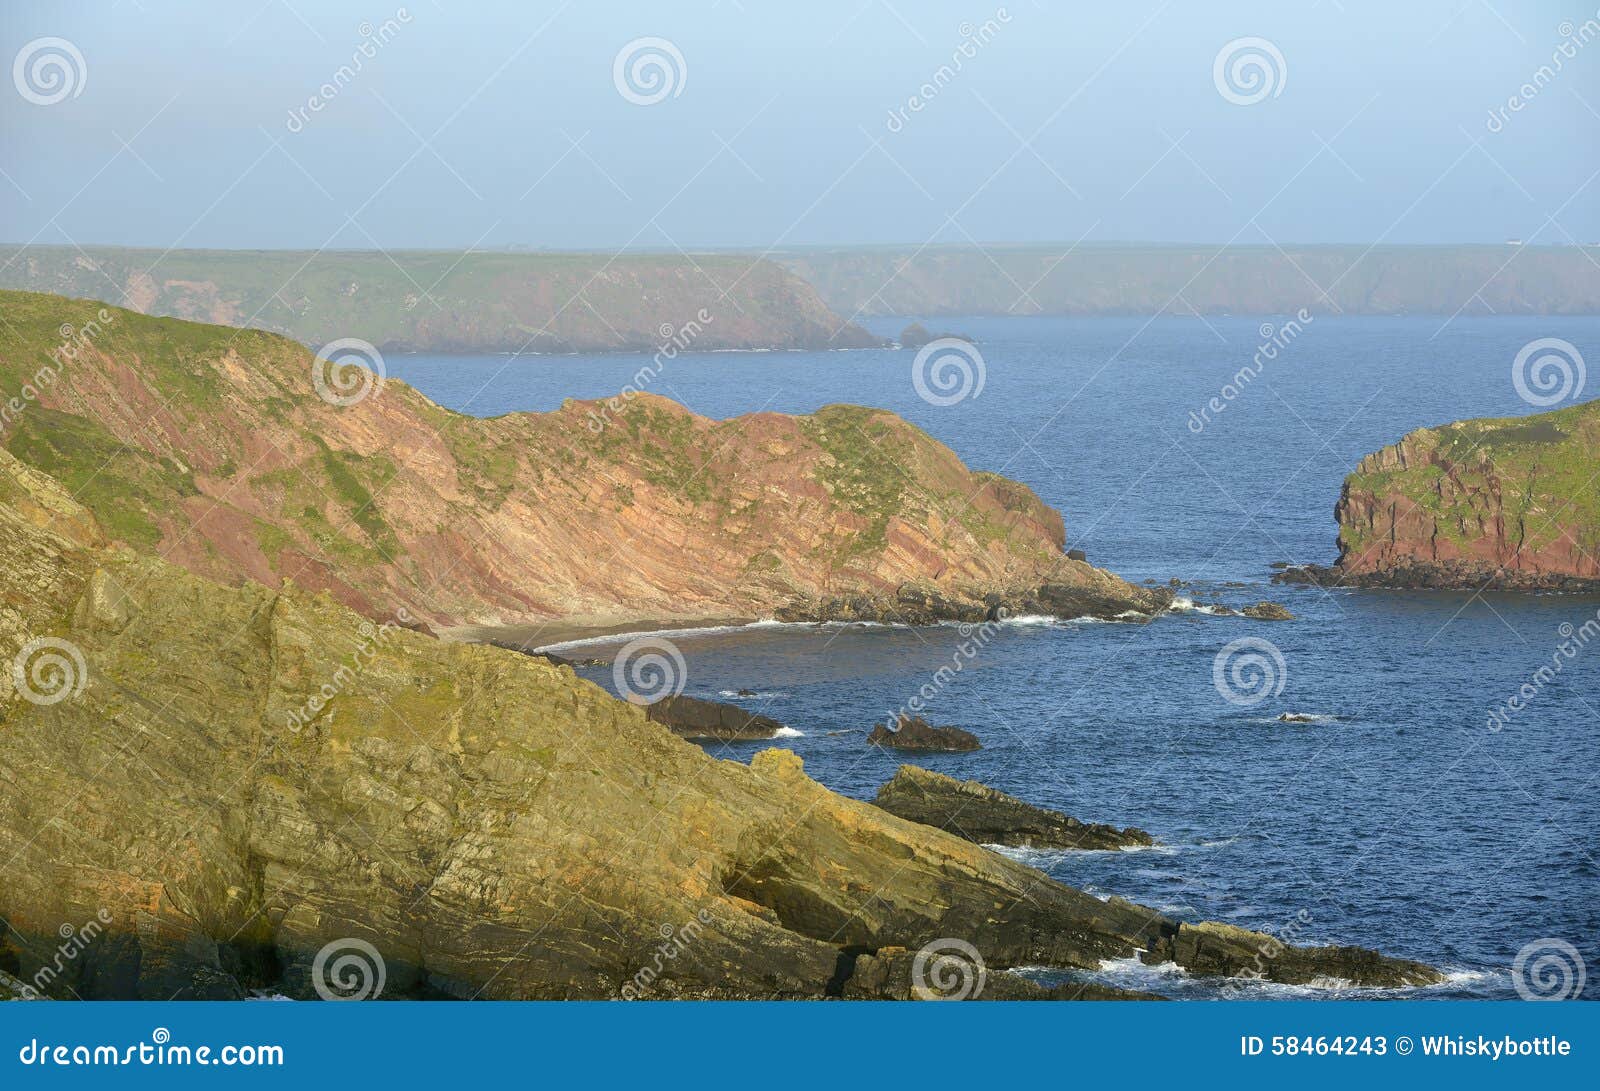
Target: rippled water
pixel 1396 820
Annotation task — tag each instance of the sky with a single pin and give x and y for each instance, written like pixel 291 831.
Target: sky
pixel 506 124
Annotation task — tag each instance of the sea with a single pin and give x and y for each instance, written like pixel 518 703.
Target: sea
pixel 1391 808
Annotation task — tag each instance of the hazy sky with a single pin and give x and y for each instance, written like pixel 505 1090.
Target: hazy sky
pixel 501 123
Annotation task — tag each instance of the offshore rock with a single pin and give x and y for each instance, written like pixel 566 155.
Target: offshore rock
pixel 979 813
pixel 915 733
pixel 693 718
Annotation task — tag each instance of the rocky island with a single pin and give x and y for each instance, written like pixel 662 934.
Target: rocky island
pixel 1510 503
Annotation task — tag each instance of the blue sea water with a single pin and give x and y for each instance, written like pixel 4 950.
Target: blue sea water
pixel 1397 819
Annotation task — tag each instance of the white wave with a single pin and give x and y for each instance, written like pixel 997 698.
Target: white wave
pixel 758 695
pixel 1304 718
pixel 788 733
pixel 1041 858
pixel 1183 604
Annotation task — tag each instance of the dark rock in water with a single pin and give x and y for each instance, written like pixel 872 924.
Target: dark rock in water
pixel 692 718
pixel 745 693
pixel 1279 566
pixel 1297 718
pixel 1077 555
pixel 951 974
pixel 1267 611
pixel 916 335
pixel 918 734
pixel 1219 610
pixel 1211 948
pixel 557 660
pixel 990 817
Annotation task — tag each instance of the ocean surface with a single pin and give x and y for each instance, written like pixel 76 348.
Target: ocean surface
pixel 1395 819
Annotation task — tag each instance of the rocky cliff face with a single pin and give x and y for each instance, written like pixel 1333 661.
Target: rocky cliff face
pixel 213 447
pixel 422 301
pixel 211 789
pixel 1144 280
pixel 1513 502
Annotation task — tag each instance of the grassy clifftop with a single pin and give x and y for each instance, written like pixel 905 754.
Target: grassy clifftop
pixel 213 447
pixel 450 301
pixel 1512 500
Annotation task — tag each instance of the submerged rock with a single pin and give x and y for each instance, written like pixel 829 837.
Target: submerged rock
pixel 693 718
pixel 918 734
pixel 979 813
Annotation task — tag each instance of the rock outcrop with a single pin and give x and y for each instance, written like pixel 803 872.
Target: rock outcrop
pixel 693 718
pixel 1509 503
pixel 915 733
pixel 984 815
pixel 243 787
pixel 234 454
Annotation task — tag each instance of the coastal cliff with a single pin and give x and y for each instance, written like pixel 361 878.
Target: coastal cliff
pixel 214 447
pixel 217 790
pixel 1511 503
pixel 1097 278
pixel 453 302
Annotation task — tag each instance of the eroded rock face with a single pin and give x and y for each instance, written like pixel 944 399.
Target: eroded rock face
pixel 979 813
pixel 915 733
pixel 1504 502
pixel 232 781
pixel 624 510
pixel 693 718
